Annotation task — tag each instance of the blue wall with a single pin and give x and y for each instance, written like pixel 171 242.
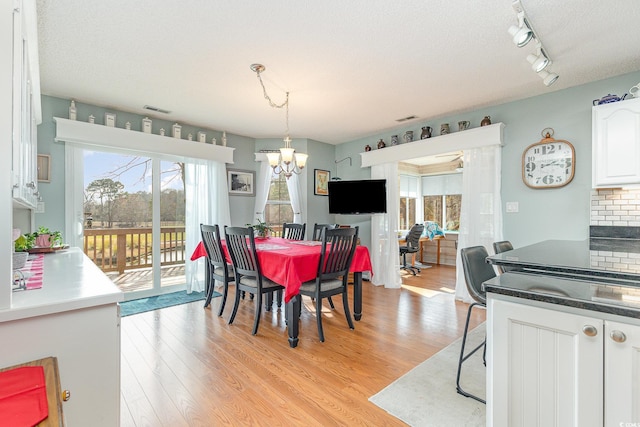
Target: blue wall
pixel 561 213
pixel 242 208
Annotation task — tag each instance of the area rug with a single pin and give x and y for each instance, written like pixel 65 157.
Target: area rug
pixel 141 305
pixel 426 395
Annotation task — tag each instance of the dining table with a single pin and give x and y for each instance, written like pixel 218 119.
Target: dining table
pixel 290 263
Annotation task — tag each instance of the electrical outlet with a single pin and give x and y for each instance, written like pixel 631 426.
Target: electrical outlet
pixel 512 207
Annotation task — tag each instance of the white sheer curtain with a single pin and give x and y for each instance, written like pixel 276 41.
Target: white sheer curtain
pixel 74 195
pixel 207 202
pixel 295 195
pixel 481 211
pixel 262 189
pixel 385 258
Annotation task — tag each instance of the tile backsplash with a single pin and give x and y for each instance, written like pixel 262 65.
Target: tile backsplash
pixel 615 207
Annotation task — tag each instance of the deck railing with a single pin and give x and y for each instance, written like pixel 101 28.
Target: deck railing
pixel 120 249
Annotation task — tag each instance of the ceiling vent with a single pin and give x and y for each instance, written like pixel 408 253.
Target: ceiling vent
pixel 156 109
pixel 404 119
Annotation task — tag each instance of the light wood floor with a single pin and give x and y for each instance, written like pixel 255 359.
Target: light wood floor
pixel 184 366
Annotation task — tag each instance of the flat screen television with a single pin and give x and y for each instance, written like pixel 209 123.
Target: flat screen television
pixel 358 197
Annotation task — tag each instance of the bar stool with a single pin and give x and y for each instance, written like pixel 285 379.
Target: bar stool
pixel 476 272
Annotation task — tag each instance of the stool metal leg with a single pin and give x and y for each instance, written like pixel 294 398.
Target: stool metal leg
pixel 464 357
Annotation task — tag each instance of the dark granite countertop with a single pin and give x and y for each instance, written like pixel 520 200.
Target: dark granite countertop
pixel 584 294
pixel 611 260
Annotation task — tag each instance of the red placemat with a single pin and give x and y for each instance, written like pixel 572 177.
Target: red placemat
pixel 34 269
pixel 23 397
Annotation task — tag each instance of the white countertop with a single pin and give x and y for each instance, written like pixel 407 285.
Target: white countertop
pixel 71 281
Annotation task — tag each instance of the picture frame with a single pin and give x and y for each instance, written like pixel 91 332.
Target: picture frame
pixel 321 180
pixel 44 168
pixel 241 182
pixel 110 120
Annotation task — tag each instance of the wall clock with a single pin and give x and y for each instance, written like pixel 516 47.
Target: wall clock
pixel 548 163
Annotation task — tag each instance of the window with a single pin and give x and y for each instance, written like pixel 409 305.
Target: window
pixel 407 212
pixel 442 199
pixel 278 209
pixel 408 196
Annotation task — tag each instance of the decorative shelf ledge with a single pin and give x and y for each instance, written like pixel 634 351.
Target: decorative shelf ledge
pixel 138 142
pixel 472 138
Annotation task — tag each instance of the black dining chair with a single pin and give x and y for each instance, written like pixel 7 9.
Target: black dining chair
pixel 500 247
pixel 317 230
pixel 217 264
pixel 338 247
pixel 248 274
pixel 293 231
pixel 476 272
pixel 412 246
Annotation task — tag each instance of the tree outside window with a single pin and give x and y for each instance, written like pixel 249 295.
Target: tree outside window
pixel 443 209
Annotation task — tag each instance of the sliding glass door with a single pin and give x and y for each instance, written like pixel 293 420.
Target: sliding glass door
pixel 134 221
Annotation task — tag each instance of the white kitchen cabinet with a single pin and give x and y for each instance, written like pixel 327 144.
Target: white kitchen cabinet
pixel 560 368
pixel 75 318
pixel 26 104
pixel 616 144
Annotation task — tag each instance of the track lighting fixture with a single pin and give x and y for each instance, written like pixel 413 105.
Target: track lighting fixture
pixel 522 34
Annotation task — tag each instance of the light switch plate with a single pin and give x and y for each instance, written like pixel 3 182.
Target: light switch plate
pixel 512 207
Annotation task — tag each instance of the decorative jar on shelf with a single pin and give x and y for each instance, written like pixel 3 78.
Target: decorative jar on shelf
pixel 73 112
pixel 486 121
pixel 381 143
pixel 426 132
pixel 408 136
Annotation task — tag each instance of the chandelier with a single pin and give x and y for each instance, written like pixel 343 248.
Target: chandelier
pixel 286 161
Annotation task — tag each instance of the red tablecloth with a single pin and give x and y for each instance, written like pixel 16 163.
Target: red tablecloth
pixel 291 262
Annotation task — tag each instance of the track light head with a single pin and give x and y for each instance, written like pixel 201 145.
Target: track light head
pixel 522 33
pixel 538 62
pixel 548 78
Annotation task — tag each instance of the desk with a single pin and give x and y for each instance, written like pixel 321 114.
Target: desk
pixel 293 262
pixel 424 239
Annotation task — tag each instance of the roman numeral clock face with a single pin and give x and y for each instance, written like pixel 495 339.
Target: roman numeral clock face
pixel 549 163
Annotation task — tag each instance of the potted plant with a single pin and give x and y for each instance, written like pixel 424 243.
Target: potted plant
pixel 261 229
pixel 23 242
pixel 46 238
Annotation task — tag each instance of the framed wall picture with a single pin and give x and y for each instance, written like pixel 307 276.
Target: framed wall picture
pixel 321 182
pixel 241 182
pixel 44 168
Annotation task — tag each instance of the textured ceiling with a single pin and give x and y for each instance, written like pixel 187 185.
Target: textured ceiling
pixel 352 67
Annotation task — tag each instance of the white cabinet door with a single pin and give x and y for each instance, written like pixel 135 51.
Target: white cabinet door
pixel 622 374
pixel 544 370
pixel 25 105
pixel 616 144
pixel 87 345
